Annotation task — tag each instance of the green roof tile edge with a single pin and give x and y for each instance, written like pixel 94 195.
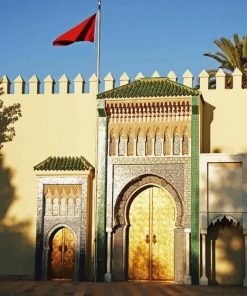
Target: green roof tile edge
pixel 144 87
pixel 64 163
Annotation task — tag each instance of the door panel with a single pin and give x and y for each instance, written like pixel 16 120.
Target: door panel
pixel 63 255
pixel 163 235
pixel 139 247
pixel 151 236
pixel 56 255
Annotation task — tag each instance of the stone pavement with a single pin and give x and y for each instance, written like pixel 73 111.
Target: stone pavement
pixel 55 288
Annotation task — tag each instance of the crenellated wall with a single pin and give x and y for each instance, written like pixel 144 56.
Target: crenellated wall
pixel 224 108
pixel 63 123
pixel 34 85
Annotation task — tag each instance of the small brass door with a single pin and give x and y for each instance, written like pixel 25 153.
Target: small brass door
pixel 151 236
pixel 63 255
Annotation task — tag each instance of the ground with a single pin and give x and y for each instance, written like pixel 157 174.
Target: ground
pixel 55 288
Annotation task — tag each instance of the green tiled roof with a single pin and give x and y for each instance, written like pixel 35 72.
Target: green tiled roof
pixel 64 164
pixel 149 87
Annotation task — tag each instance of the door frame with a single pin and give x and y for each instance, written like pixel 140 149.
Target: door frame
pixel 121 211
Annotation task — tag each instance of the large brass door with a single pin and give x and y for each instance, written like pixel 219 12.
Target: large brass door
pixel 63 255
pixel 151 236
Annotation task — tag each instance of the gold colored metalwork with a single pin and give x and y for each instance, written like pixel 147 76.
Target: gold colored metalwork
pixel 147 240
pixel 63 255
pixel 152 212
pixel 139 216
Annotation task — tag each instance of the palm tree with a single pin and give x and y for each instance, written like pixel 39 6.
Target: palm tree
pixel 231 56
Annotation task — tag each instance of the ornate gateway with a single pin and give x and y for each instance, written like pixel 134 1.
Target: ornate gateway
pixel 64 206
pixel 147 167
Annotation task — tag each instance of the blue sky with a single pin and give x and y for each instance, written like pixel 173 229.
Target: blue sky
pixel 137 35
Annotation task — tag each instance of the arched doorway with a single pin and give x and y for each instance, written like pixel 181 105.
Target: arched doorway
pixel 225 253
pixel 62 254
pixel 151 235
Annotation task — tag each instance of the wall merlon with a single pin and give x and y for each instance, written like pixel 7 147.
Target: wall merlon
pixel 237 79
pixel 188 78
pixel 156 74
pixel 204 77
pixel 172 76
pixel 19 85
pixel 79 84
pixel 124 79
pixel 64 84
pixel 6 84
pixel 49 85
pixel 139 76
pixel 34 85
pixel 220 79
pixel 109 82
pixel 93 84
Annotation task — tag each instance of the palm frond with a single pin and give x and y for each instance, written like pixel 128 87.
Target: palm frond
pixel 231 54
pixel 214 56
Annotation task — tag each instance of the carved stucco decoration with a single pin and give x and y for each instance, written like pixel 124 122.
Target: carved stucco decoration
pixel 173 173
pixel 127 194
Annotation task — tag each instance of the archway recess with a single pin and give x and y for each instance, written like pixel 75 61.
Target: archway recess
pixel 225 251
pixel 128 193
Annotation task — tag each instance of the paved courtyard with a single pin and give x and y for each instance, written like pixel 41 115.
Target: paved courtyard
pixel 53 288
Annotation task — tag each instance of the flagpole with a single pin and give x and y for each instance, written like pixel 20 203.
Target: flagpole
pixel 98 49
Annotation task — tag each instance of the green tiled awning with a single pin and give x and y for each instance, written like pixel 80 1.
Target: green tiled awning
pixel 149 87
pixel 64 164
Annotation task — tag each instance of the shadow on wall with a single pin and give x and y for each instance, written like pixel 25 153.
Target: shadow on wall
pixel 16 250
pixel 225 259
pixel 208 116
pixel 225 251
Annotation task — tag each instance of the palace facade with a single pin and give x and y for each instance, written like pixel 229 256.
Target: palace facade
pixel 144 181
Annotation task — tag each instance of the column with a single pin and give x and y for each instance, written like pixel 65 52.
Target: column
pixel 171 146
pixel 134 149
pixel 153 152
pixel 162 147
pixel 245 247
pixel 187 278
pixel 101 190
pixel 203 279
pixel 108 275
pixel 181 145
pixel 195 152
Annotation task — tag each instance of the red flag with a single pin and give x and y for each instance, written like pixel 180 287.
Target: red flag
pixel 82 32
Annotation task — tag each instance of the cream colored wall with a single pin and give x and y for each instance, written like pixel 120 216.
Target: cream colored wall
pixel 223 187
pixel 51 125
pixel 226 108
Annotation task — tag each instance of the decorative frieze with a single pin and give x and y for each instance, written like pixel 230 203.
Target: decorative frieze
pixel 148 140
pixel 151 111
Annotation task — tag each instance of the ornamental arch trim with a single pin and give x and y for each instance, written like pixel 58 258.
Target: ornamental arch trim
pixel 127 194
pixel 54 229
